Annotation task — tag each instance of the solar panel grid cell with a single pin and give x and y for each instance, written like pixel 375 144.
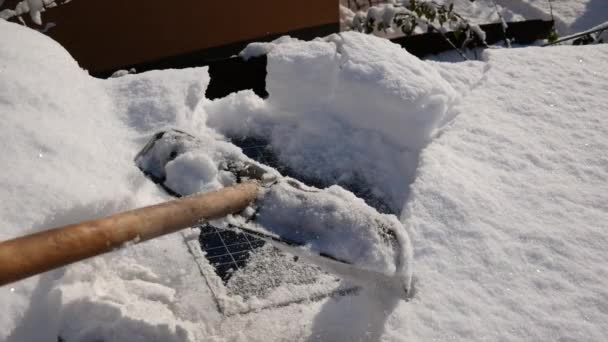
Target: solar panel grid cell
pixel 227 251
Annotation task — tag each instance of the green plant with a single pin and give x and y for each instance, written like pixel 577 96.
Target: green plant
pixel 419 16
pixel 553 36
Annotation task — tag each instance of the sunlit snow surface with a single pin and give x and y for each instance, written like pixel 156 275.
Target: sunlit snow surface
pixel 498 169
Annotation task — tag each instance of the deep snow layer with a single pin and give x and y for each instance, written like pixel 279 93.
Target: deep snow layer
pixel 510 204
pixel 507 206
pixel 67 148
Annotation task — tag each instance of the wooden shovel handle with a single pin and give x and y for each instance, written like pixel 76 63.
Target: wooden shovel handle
pixel 36 253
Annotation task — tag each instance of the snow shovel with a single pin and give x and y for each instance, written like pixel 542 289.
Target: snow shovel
pixel 330 227
pixel 251 191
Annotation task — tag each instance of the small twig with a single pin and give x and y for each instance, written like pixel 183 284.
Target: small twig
pixel 448 41
pixel 503 24
pixel 551 10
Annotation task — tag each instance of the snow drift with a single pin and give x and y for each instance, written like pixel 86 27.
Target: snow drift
pixel 352 109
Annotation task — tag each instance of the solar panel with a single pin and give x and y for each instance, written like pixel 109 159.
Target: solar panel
pixel 251 269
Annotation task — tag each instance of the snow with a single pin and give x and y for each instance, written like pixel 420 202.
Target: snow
pixel 67 149
pixel 335 221
pixel 263 48
pixel 497 170
pixel 571 16
pixel 330 221
pixel 326 132
pixel 192 171
pixel 524 181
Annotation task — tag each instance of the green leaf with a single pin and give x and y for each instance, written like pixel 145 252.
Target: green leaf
pixel 458 34
pixel 552 36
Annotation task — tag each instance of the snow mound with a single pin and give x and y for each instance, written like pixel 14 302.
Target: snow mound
pixel 320 121
pixel 192 171
pixel 258 49
pixel 157 100
pixel 414 97
pixel 337 222
pixel 39 93
pixel 66 149
pixel 186 164
pixel 337 77
pixel 315 66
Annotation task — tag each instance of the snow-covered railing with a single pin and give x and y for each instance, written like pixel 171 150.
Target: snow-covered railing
pixel 521 32
pixel 393 19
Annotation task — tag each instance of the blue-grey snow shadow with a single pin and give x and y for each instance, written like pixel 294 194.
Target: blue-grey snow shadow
pixel 41 319
pixel 360 317
pixel 83 320
pixel 595 14
pixel 147 103
pixel 110 325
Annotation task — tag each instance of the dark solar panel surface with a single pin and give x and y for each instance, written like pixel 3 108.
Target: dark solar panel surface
pixel 226 250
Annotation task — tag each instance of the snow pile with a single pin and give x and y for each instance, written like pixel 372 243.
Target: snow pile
pixel 336 73
pixel 187 164
pixel 336 222
pixel 415 98
pixel 192 171
pixel 67 148
pixel 321 123
pixel 39 94
pixel 262 48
